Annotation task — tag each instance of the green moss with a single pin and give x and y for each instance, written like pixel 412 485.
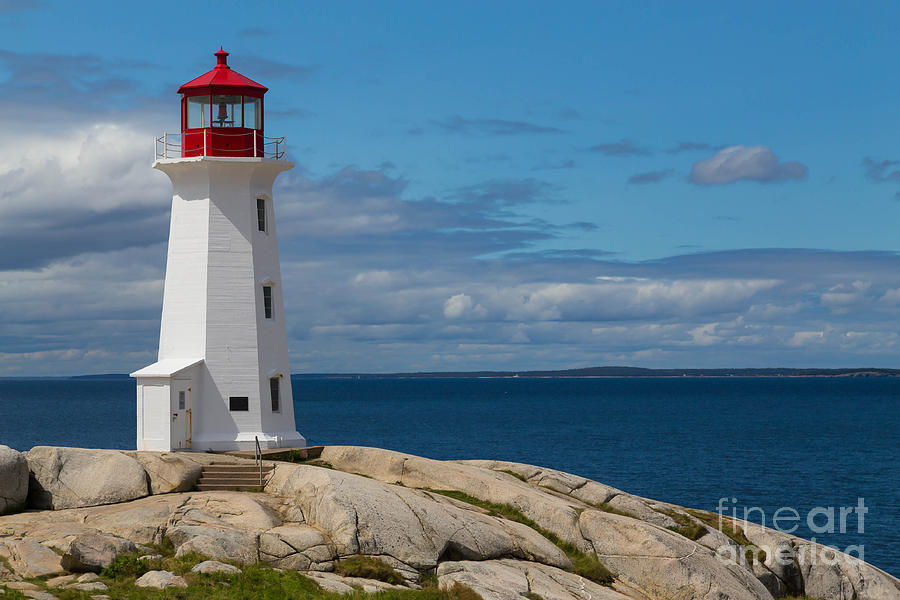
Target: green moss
pixel 533 596
pixel 584 564
pixel 514 474
pixel 368 567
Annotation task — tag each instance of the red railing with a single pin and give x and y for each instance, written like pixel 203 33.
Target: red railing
pixel 208 142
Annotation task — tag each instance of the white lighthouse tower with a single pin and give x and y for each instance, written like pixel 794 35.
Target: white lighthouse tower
pixel 222 380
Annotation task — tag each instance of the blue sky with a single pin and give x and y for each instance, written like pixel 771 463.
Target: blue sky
pixel 503 185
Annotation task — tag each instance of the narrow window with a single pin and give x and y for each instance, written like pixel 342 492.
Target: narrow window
pixel 267 300
pixel 261 213
pixel 275 390
pixel 238 403
pixel 180 400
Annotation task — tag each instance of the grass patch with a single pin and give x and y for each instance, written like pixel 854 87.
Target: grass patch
pixel 514 474
pixel 460 591
pixel 368 567
pixel 727 526
pixel 685 525
pixel 259 582
pixel 533 596
pixel 125 566
pixel 584 564
pixel 607 507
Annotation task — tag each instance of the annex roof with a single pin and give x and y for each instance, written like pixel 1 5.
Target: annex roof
pixel 167 367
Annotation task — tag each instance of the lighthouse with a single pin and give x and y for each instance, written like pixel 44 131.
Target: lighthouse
pixel 222 378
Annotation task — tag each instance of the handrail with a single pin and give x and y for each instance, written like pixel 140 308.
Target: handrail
pixel 258 457
pixel 170 145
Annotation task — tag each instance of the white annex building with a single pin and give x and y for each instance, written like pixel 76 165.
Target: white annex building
pixel 222 380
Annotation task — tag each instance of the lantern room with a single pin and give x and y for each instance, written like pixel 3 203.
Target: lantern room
pixel 222 113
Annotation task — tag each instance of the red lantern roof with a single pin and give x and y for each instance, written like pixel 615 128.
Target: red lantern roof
pixel 223 79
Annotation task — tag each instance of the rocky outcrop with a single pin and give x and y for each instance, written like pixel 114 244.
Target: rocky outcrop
pixel 13 480
pixel 167 471
pixel 214 566
pixel 387 505
pixel 27 557
pixel 93 552
pixel 75 477
pixel 160 580
pixel 513 579
pixel 412 528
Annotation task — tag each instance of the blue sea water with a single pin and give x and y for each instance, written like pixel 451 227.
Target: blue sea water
pixel 768 443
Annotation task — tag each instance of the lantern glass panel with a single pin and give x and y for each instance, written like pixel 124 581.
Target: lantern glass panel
pixel 197 112
pixel 251 112
pixel 226 111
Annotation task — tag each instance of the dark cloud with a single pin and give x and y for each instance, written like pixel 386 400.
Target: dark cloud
pixel 265 68
pixel 74 232
pixel 12 6
pixel 747 163
pixel 509 192
pixel 649 177
pixel 76 87
pixel 688 147
pixel 570 114
pixel 881 171
pixel 555 166
pixel 299 113
pixel 255 32
pixel 620 148
pixel 500 127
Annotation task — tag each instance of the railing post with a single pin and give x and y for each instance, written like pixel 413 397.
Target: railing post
pixel 254 144
pixel 285 146
pixel 204 142
pixel 166 144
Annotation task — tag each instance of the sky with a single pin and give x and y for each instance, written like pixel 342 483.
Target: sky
pixel 501 185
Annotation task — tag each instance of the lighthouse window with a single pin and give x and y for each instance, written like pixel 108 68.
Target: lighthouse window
pixel 238 403
pixel 267 300
pixel 251 112
pixel 261 213
pixel 197 112
pixel 226 111
pixel 275 390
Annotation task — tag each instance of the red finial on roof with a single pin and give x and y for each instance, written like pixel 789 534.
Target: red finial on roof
pixel 221 59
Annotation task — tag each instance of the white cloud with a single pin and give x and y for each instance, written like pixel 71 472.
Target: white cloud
pixel 805 338
pixel 736 163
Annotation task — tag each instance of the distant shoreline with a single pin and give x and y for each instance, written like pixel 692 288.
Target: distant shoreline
pixel 585 373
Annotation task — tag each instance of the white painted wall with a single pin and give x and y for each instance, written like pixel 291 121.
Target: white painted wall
pixel 213 300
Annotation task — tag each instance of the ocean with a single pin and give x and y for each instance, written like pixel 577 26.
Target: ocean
pixel 798 443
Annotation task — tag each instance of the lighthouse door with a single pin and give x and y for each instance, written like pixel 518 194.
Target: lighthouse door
pixel 181 414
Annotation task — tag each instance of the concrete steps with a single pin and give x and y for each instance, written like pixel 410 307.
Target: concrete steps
pixel 232 477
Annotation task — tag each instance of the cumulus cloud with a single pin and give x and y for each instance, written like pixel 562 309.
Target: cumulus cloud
pixel 749 163
pixel 87 189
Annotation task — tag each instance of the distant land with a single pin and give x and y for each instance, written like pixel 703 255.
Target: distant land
pixel 593 372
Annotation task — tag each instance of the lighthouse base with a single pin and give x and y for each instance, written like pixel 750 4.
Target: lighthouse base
pixel 247 441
